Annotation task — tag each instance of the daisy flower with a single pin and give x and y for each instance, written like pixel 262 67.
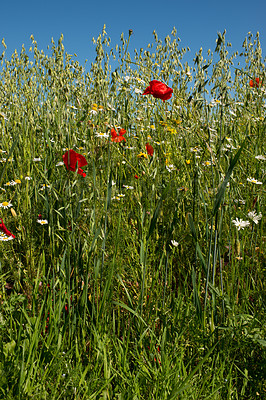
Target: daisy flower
pixel 6 204
pixel 4 237
pixel 42 221
pixel 240 224
pixel 118 196
pixel 254 217
pixel 11 183
pixel 253 180
pixel 102 135
pixel 128 187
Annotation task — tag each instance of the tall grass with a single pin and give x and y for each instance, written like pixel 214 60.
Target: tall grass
pixel 140 285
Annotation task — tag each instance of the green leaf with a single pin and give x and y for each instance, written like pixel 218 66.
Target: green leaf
pixel 221 191
pixel 156 212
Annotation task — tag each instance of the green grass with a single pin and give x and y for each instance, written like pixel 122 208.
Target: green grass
pixel 138 287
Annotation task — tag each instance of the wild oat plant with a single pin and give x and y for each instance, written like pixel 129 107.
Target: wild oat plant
pixel 131 196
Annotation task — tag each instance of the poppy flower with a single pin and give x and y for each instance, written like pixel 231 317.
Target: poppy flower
pixel 257 83
pixel 117 138
pixel 4 229
pixel 71 159
pixel 159 90
pixel 149 149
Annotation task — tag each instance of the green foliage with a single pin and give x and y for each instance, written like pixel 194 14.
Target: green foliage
pixel 145 283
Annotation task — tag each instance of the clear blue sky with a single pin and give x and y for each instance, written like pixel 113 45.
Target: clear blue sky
pixel 197 22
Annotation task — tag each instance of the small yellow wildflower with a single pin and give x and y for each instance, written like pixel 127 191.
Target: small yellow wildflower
pixel 144 155
pixel 188 161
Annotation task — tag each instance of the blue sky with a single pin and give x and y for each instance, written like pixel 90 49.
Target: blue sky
pixel 197 22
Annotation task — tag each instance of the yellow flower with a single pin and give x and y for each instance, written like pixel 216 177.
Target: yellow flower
pixel 144 155
pixel 17 180
pixel 188 161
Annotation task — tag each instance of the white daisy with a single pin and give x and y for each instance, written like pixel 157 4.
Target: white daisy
pixel 254 217
pixel 6 204
pixel 128 187
pixel 42 221
pixel 118 196
pixel 253 180
pixel 102 135
pixel 4 237
pixel 240 224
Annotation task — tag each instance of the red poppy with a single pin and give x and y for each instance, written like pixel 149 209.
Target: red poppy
pixel 159 90
pixel 4 229
pixel 71 159
pixel 117 138
pixel 149 149
pixel 257 82
pixel 136 176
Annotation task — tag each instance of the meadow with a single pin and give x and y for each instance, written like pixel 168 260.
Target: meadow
pixel 131 225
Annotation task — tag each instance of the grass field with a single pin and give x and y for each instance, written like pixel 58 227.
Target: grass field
pixel 133 266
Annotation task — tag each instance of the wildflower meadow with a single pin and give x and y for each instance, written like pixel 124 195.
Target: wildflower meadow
pixel 132 258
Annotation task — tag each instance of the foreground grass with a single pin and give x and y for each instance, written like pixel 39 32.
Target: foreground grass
pixel 140 285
